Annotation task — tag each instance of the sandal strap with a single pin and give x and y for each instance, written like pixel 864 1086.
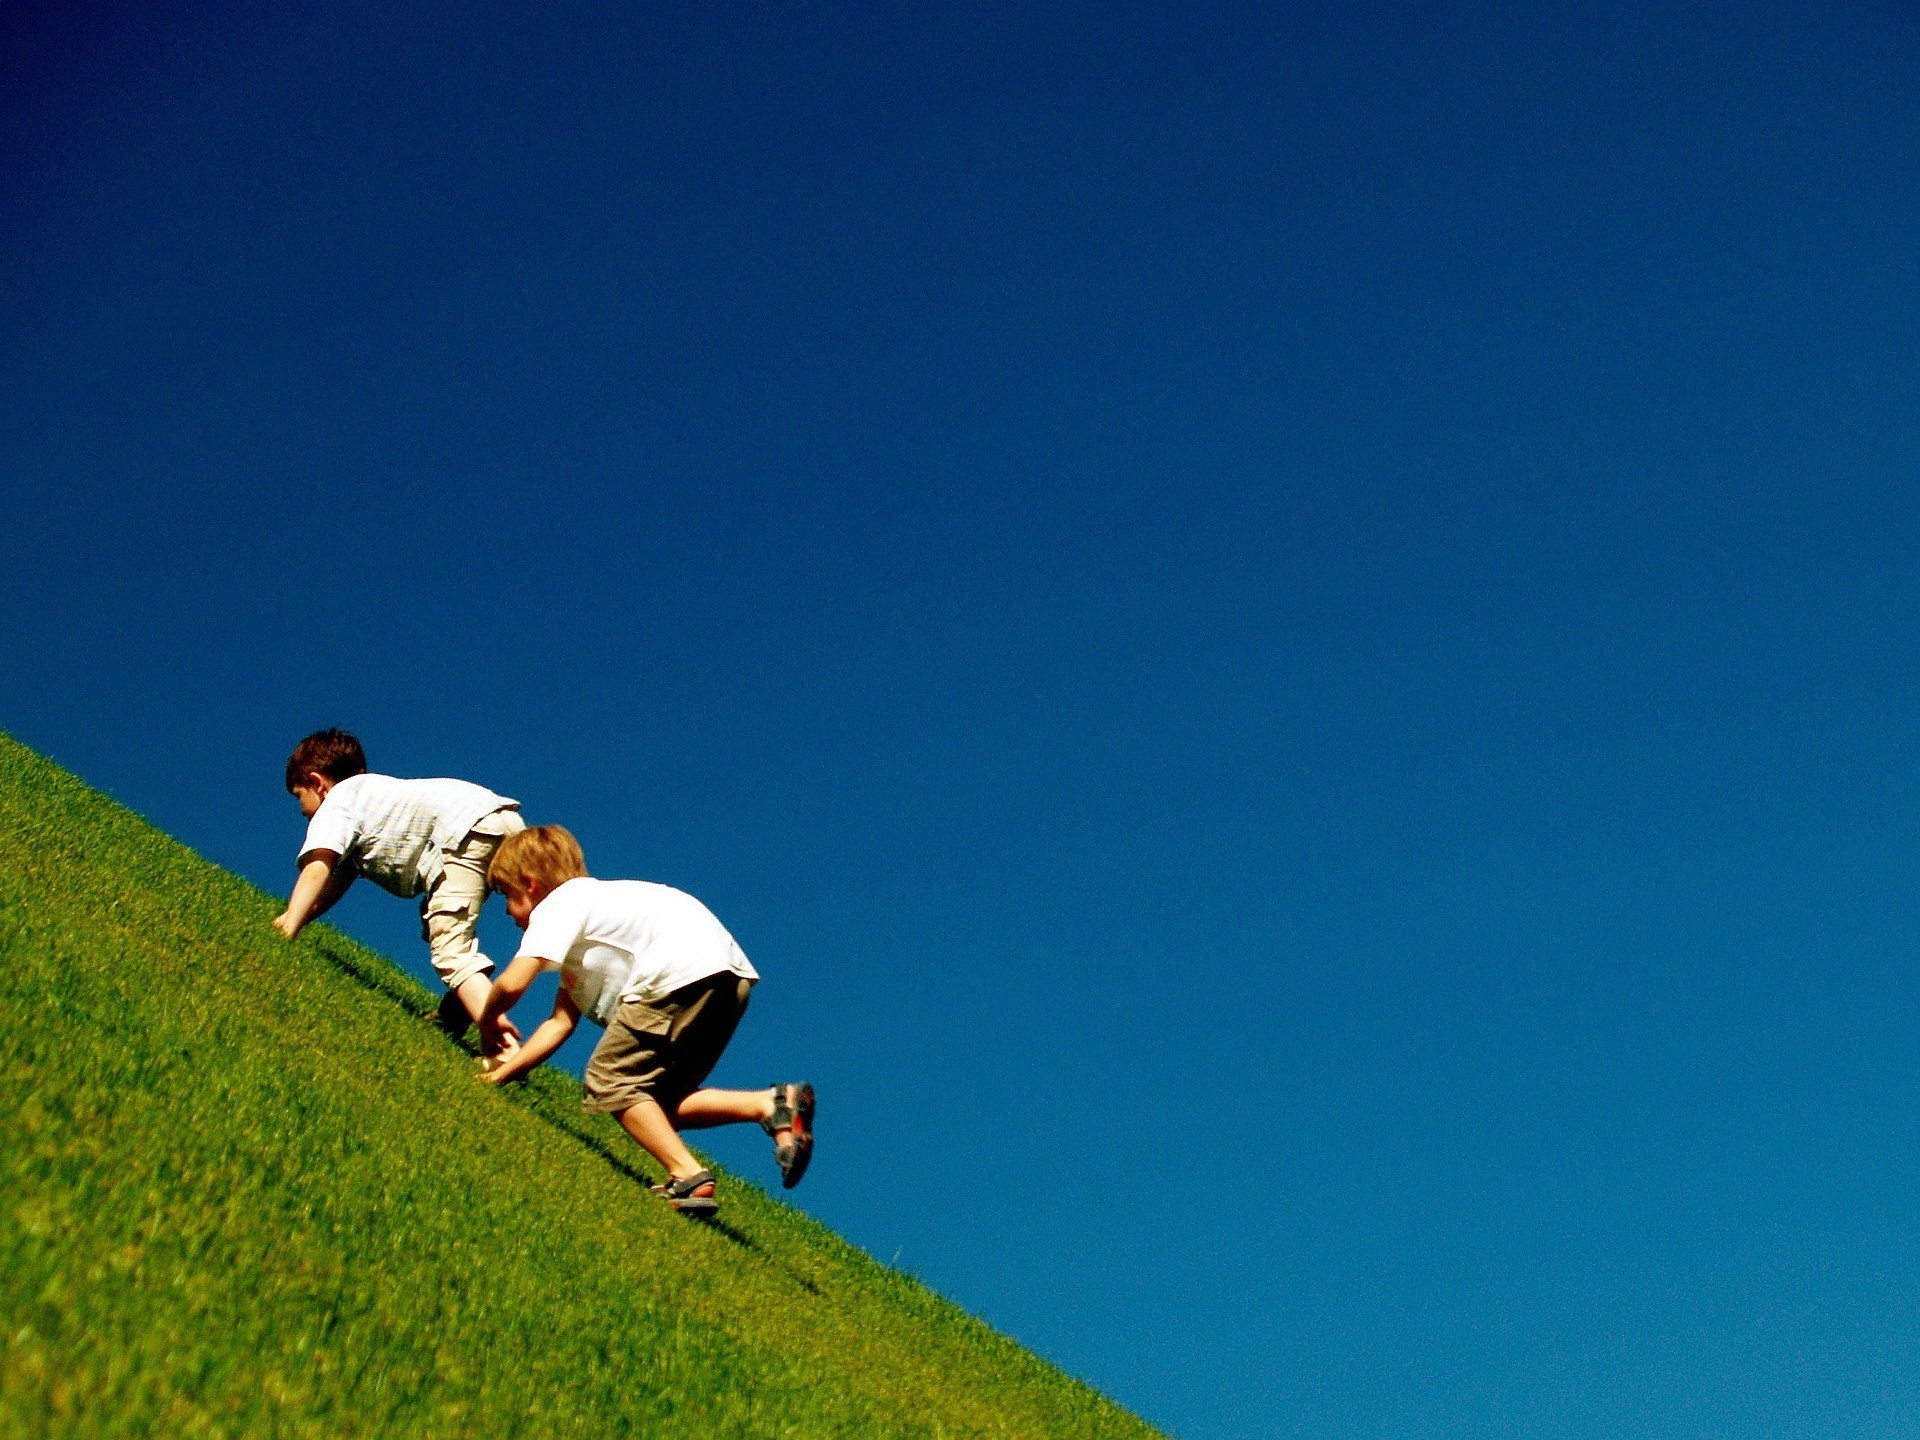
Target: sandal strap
pixel 680 1189
pixel 782 1116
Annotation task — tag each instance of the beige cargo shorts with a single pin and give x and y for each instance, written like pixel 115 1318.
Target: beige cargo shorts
pixel 450 910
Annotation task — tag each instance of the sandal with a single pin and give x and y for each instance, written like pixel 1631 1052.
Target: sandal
pixel 691 1196
pixel 792 1112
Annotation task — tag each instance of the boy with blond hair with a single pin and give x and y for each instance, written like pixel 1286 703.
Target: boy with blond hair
pixel 431 838
pixel 652 965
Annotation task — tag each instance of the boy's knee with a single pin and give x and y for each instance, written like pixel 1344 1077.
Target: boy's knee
pixel 456 970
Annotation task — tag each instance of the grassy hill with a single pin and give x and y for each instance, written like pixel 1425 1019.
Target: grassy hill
pixel 249 1190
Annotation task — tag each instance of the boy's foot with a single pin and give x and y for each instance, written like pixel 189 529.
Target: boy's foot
pixel 691 1196
pixel 451 1016
pixel 793 1113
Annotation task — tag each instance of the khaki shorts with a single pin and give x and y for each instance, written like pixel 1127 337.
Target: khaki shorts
pixel 661 1050
pixel 450 910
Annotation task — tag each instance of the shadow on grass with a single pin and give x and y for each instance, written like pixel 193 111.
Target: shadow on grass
pixel 379 977
pixel 382 980
pixel 447 1015
pixel 536 1103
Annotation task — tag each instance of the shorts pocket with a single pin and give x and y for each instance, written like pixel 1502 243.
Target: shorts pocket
pixel 644 1019
pixel 441 913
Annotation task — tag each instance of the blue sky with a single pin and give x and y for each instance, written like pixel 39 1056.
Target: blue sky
pixel 1288 635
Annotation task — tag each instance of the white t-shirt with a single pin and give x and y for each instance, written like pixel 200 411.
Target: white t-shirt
pixel 619 940
pixel 394 832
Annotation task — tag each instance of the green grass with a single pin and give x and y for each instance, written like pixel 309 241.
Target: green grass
pixel 248 1189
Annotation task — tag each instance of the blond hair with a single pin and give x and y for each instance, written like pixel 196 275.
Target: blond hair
pixel 545 853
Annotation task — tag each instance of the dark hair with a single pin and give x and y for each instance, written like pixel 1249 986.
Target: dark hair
pixel 332 753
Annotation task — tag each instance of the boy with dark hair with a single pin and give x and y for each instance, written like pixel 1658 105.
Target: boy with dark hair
pixel 664 977
pixel 431 838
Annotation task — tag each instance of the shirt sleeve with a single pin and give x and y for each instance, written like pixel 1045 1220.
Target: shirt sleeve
pixel 331 828
pixel 553 930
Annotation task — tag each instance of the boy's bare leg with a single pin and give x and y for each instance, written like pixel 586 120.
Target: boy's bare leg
pixel 704 1109
pixel 473 995
pixel 792 1140
pixel 647 1123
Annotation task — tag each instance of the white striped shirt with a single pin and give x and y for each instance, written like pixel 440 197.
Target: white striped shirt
pixel 394 832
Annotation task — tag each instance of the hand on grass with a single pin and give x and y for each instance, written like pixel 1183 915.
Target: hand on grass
pixel 497 1072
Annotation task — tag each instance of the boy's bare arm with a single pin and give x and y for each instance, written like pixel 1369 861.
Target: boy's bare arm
pixel 323 880
pixel 509 985
pixel 505 992
pixel 548 1037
